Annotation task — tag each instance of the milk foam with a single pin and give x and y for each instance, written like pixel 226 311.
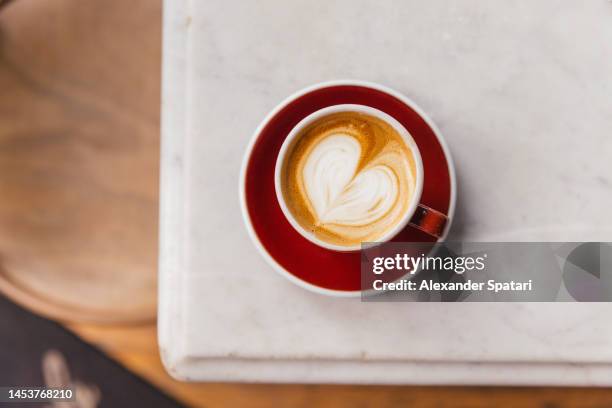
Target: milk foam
pixel 349 178
pixel 337 193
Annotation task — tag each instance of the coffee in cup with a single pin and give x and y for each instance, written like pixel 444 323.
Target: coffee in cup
pixel 348 174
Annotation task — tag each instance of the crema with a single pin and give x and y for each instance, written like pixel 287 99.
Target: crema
pixel 348 178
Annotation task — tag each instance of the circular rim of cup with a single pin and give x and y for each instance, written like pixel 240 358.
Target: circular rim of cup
pixel 321 113
pixel 245 164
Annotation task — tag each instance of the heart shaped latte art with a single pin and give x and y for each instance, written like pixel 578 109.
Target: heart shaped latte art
pixel 341 195
pixel 349 178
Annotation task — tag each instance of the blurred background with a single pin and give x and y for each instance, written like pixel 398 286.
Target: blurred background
pixel 79 153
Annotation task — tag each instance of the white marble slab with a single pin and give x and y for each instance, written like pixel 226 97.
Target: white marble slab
pixel 522 92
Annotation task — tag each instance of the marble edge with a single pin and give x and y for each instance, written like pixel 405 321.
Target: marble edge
pixel 172 211
pixel 393 373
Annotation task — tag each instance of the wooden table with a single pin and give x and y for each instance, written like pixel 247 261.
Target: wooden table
pixel 80 84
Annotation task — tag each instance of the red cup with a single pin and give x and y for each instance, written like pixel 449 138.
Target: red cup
pixel 307 263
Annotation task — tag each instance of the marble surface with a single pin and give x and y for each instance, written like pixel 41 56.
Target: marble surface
pixel 522 92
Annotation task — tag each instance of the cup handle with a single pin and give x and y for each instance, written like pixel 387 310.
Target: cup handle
pixel 429 220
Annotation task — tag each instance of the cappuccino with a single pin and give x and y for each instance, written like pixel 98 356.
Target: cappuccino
pixel 348 177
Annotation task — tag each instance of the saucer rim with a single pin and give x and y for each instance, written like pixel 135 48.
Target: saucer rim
pixel 289 99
